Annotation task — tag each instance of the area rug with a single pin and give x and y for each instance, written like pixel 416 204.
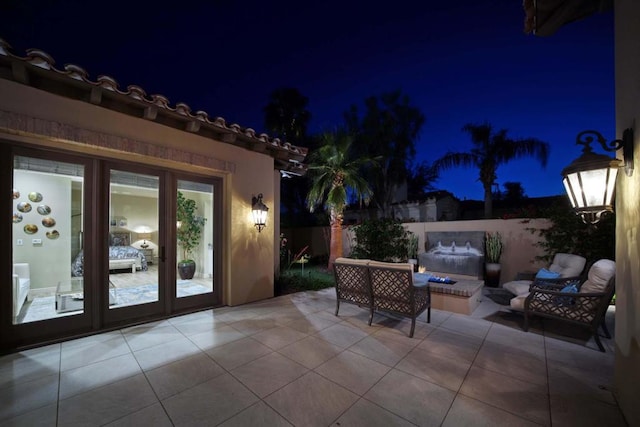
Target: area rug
pixel 499 295
pixel 44 307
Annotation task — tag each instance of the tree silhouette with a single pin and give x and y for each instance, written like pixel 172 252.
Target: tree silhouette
pixel 490 150
pixel 388 130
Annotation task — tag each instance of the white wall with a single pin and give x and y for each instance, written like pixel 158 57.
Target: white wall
pixel 49 262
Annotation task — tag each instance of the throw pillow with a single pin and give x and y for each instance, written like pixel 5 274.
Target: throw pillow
pixel 543 273
pixel 571 288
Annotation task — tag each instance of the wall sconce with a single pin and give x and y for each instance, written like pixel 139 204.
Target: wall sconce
pixel 259 211
pixel 591 178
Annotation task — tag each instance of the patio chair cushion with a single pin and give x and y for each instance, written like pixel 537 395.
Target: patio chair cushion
pixel 599 274
pixel 517 302
pixel 518 287
pixel 568 265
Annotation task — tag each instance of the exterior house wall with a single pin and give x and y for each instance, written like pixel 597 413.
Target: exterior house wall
pixel 33 116
pixel 627 334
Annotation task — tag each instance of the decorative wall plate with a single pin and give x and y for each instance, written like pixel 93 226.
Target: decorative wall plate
pixel 53 235
pixel 34 196
pixel 30 228
pixel 24 207
pixel 44 210
pixel 16 194
pixel 17 218
pixel 48 222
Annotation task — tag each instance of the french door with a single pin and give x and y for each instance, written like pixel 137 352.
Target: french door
pixel 97 244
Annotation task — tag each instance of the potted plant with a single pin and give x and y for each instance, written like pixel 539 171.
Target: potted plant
pixel 412 250
pixel 188 232
pixel 493 250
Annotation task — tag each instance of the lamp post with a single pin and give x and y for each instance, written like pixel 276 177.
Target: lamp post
pixel 259 211
pixel 591 178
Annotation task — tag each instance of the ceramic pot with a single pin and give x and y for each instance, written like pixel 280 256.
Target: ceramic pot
pixel 492 274
pixel 186 269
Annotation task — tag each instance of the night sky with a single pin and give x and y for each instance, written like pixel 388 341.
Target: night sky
pixel 458 61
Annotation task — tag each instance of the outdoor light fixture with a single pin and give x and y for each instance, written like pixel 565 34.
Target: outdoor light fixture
pixel 590 179
pixel 259 211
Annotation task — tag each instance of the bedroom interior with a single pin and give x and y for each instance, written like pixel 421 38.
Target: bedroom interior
pixel 51 193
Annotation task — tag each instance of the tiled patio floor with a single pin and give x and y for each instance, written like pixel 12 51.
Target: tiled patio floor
pixel 290 361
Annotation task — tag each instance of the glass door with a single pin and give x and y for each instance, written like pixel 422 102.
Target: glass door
pixel 195 234
pixel 49 279
pixel 133 287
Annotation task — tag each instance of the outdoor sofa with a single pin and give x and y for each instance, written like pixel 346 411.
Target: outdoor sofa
pixel 381 286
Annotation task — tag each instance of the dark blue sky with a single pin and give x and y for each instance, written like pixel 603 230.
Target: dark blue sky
pixel 459 61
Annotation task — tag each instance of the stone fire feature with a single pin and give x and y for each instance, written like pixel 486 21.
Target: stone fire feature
pixel 454 252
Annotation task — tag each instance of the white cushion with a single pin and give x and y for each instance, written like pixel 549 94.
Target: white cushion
pixel 518 287
pixel 599 274
pixel 517 302
pixel 392 265
pixel 354 261
pixel 568 265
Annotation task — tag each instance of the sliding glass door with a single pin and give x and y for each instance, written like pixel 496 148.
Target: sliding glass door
pixel 96 244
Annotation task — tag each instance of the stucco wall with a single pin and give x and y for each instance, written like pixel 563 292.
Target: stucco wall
pixel 627 334
pixel 247 256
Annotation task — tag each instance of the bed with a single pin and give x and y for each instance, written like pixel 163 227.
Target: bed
pixel 122 256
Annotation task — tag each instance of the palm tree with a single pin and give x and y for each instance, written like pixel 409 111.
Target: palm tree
pixel 490 150
pixel 334 175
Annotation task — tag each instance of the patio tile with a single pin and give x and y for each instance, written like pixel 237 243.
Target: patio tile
pixel 195 323
pixel 279 337
pixel 81 355
pixel 24 397
pixel 383 348
pixel 253 325
pixel 311 323
pixel 153 357
pixel 575 384
pixel 411 398
pixel 176 377
pixel 467 325
pixel 216 337
pixel 85 378
pixel 153 415
pixel 239 352
pixel 342 334
pixel 529 342
pixel 311 351
pixel 259 414
pixel 268 373
pixel 209 403
pixel 510 361
pixel 445 371
pixel 41 417
pixel 400 327
pixel 466 411
pixel 365 413
pixel 451 344
pixel 584 412
pixel 29 365
pixel 139 337
pixel 311 401
pixel 352 371
pixel 527 399
pixel 108 403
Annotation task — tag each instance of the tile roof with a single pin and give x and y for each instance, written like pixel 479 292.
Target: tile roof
pixel 38 66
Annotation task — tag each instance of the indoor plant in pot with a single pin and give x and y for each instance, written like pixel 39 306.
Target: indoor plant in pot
pixel 493 250
pixel 188 232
